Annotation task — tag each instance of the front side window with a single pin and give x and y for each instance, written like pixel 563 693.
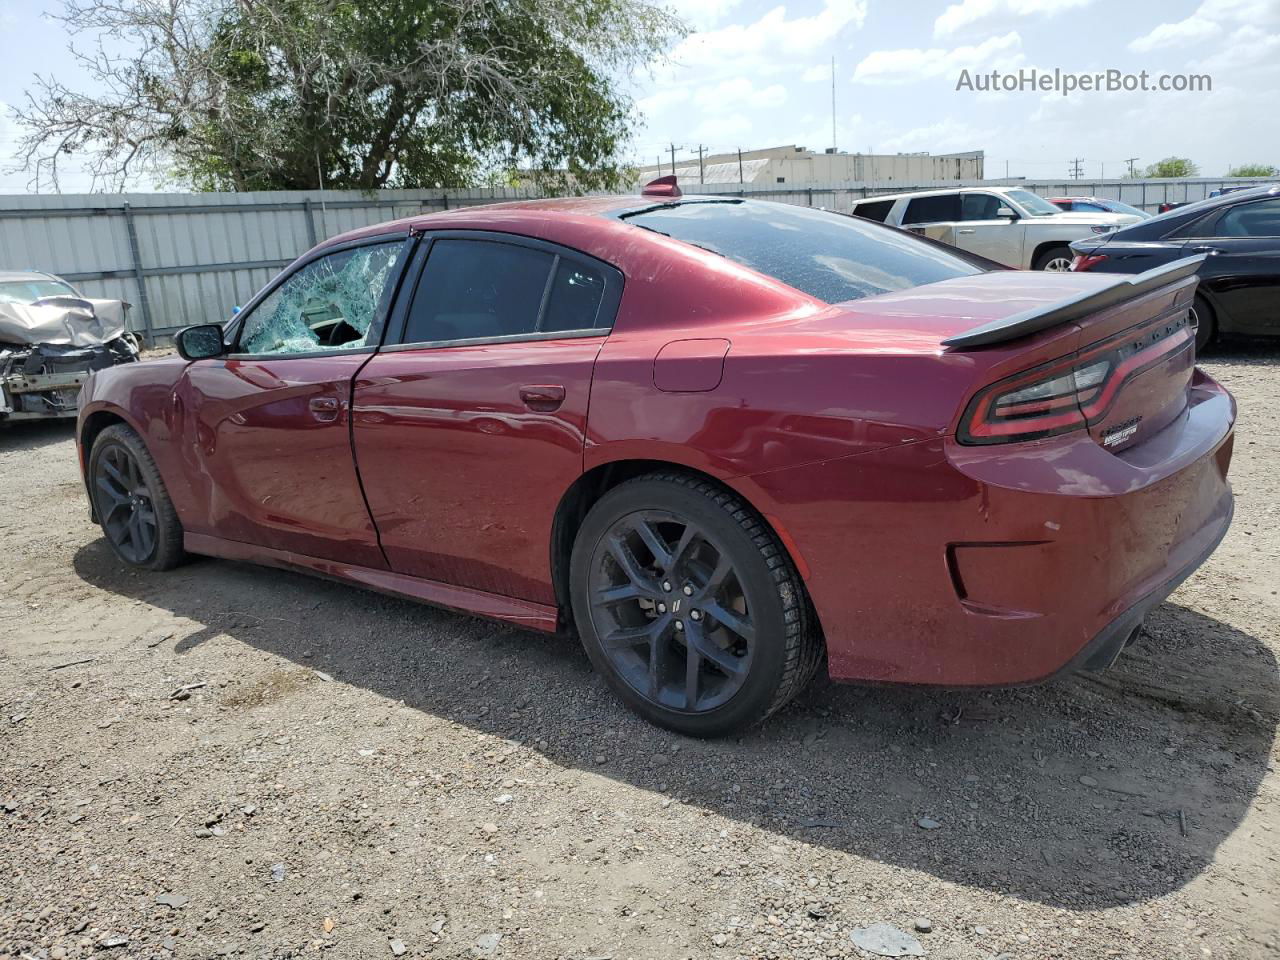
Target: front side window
pixel 828 256
pixel 337 302
pixel 482 289
pixel 979 206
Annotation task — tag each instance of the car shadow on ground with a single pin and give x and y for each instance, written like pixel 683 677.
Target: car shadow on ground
pixel 1088 792
pixel 20 435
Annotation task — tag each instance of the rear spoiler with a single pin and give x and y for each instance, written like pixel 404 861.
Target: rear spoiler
pixel 1074 308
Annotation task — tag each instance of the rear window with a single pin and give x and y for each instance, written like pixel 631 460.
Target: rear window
pixel 829 256
pixel 875 210
pixel 938 209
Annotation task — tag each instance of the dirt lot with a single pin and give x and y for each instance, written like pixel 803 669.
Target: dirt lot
pixel 255 763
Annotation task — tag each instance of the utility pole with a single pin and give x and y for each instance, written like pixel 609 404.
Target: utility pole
pixel 701 169
pixel 740 180
pixel 833 104
pixel 673 159
pixel 1102 169
pixel 1130 161
pixel 659 164
pixel 1076 172
pixel 1006 169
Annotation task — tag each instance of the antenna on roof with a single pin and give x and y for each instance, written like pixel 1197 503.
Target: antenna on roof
pixel 662 187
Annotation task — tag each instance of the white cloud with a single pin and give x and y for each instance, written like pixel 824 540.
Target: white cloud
pixel 728 94
pixel 702 14
pixel 942 137
pixel 815 73
pixel 968 12
pixel 760 44
pixel 911 65
pixel 1207 21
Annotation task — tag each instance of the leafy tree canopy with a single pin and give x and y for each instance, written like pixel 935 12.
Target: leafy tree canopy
pixel 1254 170
pixel 299 94
pixel 1173 167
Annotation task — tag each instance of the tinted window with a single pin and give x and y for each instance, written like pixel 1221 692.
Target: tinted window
pixel 876 210
pixel 933 209
pixel 576 293
pixel 1258 219
pixel 979 206
pixel 476 288
pixel 826 255
pixel 1081 207
pixel 336 302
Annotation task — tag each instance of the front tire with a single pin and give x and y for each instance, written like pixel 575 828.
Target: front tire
pixel 690 607
pixel 131 502
pixel 1055 259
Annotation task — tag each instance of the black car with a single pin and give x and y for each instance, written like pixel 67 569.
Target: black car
pixel 1240 278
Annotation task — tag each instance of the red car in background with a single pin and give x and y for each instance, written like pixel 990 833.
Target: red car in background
pixel 723 440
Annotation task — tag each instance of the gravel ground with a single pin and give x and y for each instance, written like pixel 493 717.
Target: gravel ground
pixel 252 763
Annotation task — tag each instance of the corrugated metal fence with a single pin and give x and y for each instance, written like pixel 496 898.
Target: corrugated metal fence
pixel 188 258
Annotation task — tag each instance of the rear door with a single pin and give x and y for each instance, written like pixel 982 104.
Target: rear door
pixel 982 232
pixel 268 427
pixel 1242 274
pixel 470 423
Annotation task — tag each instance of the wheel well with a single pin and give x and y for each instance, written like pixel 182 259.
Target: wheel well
pixel 1045 247
pixel 583 495
pixel 94 424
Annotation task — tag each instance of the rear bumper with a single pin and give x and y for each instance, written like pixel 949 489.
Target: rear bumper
pixel 939 563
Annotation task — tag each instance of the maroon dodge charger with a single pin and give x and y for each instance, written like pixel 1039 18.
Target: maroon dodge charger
pixel 721 440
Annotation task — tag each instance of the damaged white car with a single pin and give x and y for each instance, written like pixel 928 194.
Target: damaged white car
pixel 51 339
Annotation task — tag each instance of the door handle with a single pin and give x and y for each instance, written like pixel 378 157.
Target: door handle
pixel 543 397
pixel 1206 249
pixel 324 408
pixel 966 230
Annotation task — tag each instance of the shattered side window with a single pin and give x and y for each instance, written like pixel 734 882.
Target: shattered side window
pixel 334 303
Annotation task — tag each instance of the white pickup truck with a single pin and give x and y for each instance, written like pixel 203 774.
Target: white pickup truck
pixel 1006 224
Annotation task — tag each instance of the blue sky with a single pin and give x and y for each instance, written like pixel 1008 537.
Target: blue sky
pixel 756 74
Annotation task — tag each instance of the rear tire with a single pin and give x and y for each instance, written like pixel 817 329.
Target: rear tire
pixel 1055 259
pixel 1206 324
pixel 690 607
pixel 131 502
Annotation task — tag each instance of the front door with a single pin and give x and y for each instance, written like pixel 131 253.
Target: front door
pixel 470 430
pixel 981 231
pixel 268 427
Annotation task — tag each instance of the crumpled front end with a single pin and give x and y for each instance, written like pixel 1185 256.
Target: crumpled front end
pixel 49 348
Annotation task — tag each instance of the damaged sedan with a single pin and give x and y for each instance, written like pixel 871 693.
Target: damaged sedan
pixel 51 339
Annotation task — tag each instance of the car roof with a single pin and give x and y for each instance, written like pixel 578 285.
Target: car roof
pixel 934 193
pixel 1159 226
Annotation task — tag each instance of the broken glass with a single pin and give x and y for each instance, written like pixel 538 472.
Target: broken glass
pixel 331 303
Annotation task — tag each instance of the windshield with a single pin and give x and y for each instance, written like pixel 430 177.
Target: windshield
pixel 1035 206
pixel 829 256
pixel 29 291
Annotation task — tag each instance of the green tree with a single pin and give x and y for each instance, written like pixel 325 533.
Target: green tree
pixel 298 94
pixel 1254 170
pixel 1173 167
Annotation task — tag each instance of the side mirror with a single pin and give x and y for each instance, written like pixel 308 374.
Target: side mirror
pixel 1006 213
pixel 200 342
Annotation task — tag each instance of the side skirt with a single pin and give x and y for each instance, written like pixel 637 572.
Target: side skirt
pixel 523 613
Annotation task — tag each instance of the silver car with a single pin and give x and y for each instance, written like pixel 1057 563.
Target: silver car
pixel 51 339
pixel 1006 224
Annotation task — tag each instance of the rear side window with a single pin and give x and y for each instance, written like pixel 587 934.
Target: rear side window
pixel 933 209
pixel 829 256
pixel 875 210
pixel 1258 219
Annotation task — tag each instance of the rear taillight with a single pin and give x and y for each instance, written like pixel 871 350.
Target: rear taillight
pixel 1070 393
pixel 1083 261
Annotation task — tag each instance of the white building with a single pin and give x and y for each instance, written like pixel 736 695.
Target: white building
pixel 797 166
